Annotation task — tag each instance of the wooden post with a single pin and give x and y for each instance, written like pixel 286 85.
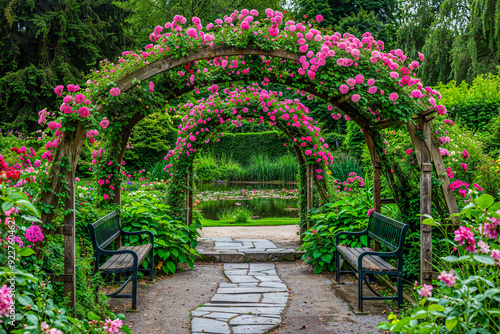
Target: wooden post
pixel 189 213
pixel 377 185
pixel 425 203
pixel 69 242
pixel 310 189
pixel 302 188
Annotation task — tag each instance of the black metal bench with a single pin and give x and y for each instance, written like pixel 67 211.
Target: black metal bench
pixel 106 230
pixel 362 261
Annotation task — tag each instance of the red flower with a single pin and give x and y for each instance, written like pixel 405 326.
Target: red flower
pixel 187 66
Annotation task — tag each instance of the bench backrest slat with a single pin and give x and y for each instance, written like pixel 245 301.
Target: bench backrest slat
pixel 386 231
pixel 105 230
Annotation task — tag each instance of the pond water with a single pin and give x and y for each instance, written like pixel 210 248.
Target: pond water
pixel 266 199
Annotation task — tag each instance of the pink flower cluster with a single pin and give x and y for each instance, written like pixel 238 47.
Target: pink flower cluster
pixel 34 234
pixel 6 300
pixel 449 278
pixel 112 326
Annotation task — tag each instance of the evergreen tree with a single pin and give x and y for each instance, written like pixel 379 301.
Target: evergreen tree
pixel 45 43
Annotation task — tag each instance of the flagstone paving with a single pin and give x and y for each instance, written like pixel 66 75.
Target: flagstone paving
pixel 230 250
pixel 251 303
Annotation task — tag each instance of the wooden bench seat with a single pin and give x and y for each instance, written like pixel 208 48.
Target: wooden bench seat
pixel 370 262
pixel 125 261
pixel 365 262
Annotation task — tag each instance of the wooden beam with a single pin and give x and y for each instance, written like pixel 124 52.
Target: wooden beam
pixel 449 197
pixel 302 189
pixel 377 183
pixel 388 201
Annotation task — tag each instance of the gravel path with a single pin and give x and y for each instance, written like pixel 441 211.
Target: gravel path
pixel 277 234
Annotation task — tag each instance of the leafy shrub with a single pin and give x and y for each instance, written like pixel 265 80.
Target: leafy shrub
pixel 206 168
pixel 465 298
pixel 158 172
pixel 347 214
pixel 175 242
pixel 238 215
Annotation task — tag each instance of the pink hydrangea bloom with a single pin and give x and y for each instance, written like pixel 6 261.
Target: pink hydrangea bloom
pixel 151 86
pixel 104 123
pixel 465 154
pixel 355 97
pixel 319 18
pixel 244 25
pixel 371 82
pixel 84 112
pixel 359 79
pixel 372 89
pixel 351 82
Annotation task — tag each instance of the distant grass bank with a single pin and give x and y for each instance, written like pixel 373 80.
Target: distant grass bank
pixel 258 222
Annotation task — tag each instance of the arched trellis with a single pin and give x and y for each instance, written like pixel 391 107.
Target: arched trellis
pixel 70 144
pixel 250 104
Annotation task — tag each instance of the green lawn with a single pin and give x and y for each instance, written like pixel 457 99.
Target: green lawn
pixel 258 222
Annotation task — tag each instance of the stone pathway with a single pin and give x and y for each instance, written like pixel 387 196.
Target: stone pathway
pixel 243 250
pixel 251 303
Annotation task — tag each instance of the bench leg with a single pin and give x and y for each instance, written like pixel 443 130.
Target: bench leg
pixel 337 266
pixel 360 290
pixel 151 263
pixel 134 290
pixel 400 291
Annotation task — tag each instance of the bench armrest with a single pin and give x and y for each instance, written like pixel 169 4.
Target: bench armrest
pixel 151 236
pixel 365 232
pixel 380 254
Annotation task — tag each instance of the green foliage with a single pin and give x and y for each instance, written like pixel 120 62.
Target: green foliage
pixel 238 214
pixel 175 242
pixel 471 299
pixel 157 171
pixel 460 40
pixel 264 168
pixel 354 140
pixel 334 11
pixel 50 43
pixel 342 165
pixel 347 214
pixel 206 168
pixel 150 139
pixel 241 146
pixel 148 13
pixel 368 21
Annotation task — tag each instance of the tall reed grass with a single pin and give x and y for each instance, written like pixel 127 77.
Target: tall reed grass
pixel 343 165
pixel 157 171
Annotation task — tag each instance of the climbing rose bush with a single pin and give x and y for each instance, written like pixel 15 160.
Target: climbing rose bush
pixel 465 298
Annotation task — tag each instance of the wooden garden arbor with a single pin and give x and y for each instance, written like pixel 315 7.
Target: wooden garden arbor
pixel 70 148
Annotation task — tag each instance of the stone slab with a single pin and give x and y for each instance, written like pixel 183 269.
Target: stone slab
pixel 252 329
pixel 205 325
pixel 242 279
pixel 236 298
pixel 275 298
pixel 247 319
pixel 230 266
pixel 273 310
pixel 249 290
pixel 221 316
pixel 256 256
pixel 232 257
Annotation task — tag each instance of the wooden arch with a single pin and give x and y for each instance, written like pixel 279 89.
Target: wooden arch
pixel 62 176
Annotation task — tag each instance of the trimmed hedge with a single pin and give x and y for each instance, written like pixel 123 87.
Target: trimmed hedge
pixel 242 146
pixel 477 115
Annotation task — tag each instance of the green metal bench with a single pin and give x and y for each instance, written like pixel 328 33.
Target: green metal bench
pixel 363 261
pixel 126 259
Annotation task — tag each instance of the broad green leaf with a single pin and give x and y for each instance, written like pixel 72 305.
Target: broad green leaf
pixel 486 259
pixel 26 252
pixel 451 323
pixel 485 201
pixel 435 307
pixel 171 267
pixel 92 316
